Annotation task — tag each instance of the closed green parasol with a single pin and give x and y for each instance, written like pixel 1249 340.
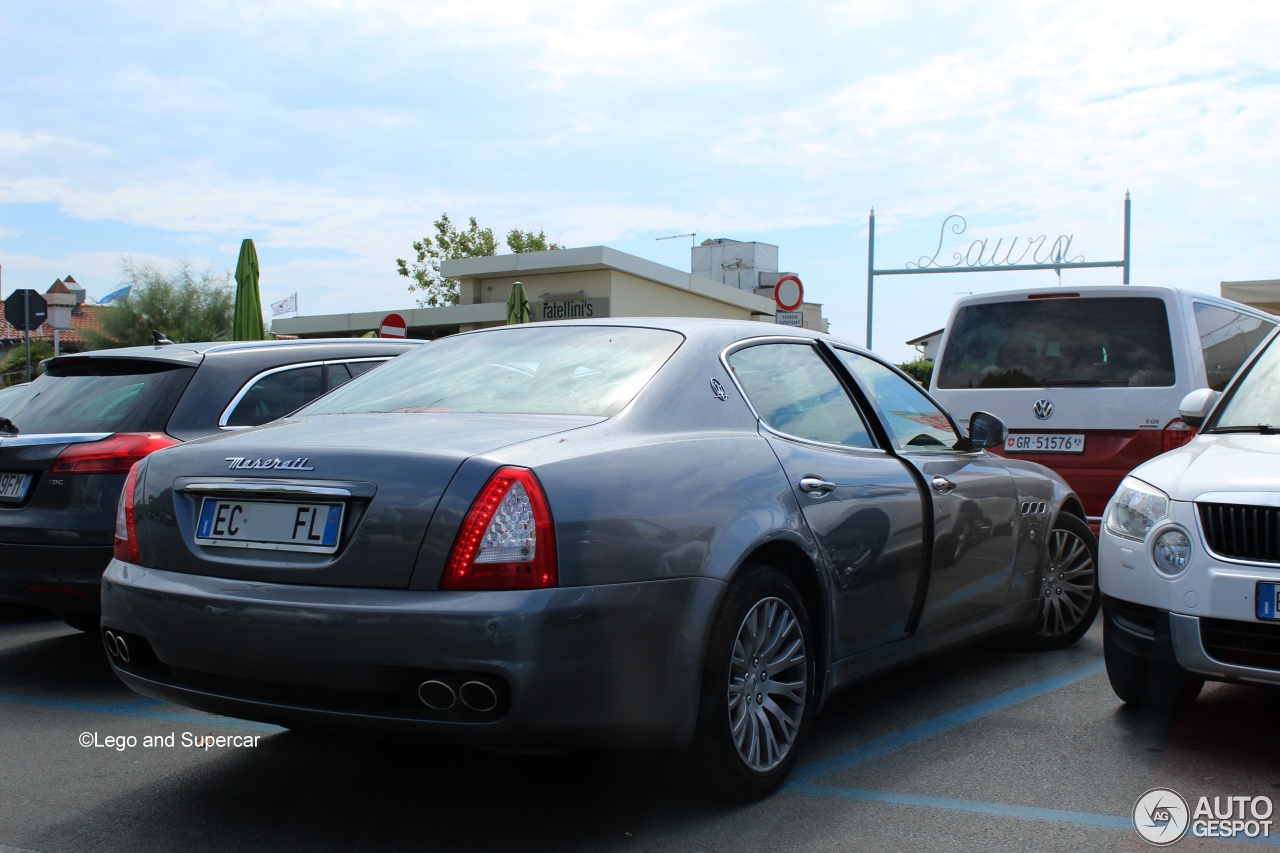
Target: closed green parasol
pixel 517 305
pixel 246 322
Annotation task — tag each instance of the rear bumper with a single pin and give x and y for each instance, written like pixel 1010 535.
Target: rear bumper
pixel 63 578
pixel 616 665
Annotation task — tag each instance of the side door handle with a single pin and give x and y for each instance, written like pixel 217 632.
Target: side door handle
pixel 942 485
pixel 816 486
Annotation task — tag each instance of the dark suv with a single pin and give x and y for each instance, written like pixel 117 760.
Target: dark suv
pixel 90 416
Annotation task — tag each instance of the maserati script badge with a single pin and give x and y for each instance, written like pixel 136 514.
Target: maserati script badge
pixel 239 463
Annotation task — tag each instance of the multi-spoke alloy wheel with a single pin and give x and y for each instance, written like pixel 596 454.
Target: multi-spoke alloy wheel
pixel 768 681
pixel 757 687
pixel 1069 589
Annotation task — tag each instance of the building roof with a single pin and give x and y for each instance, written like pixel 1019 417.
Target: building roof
pixel 84 319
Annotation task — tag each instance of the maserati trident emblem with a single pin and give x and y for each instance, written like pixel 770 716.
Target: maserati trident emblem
pixel 240 463
pixel 1043 409
pixel 718 390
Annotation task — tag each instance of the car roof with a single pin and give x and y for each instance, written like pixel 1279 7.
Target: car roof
pixel 194 353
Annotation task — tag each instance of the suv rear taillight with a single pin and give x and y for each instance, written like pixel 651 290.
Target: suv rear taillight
pixel 507 540
pixel 1177 433
pixel 126 538
pixel 115 454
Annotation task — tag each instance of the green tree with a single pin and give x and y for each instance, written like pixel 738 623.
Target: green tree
pixel 14 367
pixel 182 305
pixel 919 369
pixel 450 244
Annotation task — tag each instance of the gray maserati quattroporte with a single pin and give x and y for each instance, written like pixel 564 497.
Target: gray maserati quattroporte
pixel 677 534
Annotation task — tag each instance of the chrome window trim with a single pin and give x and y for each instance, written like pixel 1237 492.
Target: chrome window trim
pixel 253 380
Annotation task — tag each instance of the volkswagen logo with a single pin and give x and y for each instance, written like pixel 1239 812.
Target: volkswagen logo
pixel 1043 409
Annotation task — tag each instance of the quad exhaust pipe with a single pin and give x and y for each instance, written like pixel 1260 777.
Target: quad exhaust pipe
pixel 475 695
pixel 478 696
pixel 117 646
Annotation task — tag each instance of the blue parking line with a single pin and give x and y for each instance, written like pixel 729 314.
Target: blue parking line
pixel 140 710
pixel 1000 809
pixel 880 747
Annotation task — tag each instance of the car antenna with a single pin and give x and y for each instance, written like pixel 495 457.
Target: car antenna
pixel 158 338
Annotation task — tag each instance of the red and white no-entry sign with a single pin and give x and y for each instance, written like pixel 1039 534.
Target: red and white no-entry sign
pixel 393 326
pixel 788 293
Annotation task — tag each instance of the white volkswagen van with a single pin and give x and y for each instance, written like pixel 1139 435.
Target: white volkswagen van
pixel 1089 380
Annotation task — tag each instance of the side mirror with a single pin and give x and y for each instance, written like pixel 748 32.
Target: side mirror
pixel 1197 405
pixel 986 430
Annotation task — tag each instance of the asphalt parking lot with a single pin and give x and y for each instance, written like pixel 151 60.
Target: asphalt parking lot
pixel 985 749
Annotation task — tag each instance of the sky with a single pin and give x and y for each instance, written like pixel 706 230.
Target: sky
pixel 335 132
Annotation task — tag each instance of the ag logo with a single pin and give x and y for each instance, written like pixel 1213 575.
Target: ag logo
pixel 1161 816
pixel 1043 409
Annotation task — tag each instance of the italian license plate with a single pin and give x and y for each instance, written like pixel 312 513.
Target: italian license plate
pixel 1268 598
pixel 1044 442
pixel 13 487
pixel 269 525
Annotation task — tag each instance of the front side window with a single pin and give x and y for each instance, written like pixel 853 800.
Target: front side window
pixel 1062 342
pixel 1227 338
pixel 551 370
pixel 794 392
pixel 914 421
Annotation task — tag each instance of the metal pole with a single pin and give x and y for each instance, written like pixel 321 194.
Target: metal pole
pixel 1126 236
pixel 871 265
pixel 26 324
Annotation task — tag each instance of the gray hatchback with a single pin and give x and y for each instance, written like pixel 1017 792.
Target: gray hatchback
pixel 73 434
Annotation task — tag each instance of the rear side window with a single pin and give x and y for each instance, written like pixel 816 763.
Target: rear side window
pixel 552 370
pixel 794 391
pixel 1032 343
pixel 1227 338
pixel 277 394
pixel 102 395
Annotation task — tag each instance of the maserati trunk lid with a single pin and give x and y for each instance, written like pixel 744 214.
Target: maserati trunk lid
pixel 338 500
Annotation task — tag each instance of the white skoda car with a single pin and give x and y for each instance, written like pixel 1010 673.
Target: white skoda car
pixel 1189 559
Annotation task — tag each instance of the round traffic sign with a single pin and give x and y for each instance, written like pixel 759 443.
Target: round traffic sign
pixel 393 326
pixel 788 293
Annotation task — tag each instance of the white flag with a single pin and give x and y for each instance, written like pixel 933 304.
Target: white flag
pixel 284 306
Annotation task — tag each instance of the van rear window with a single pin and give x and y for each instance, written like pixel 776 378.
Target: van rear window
pixel 1034 343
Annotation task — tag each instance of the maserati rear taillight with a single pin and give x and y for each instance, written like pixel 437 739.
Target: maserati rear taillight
pixel 126 538
pixel 115 454
pixel 507 540
pixel 1176 434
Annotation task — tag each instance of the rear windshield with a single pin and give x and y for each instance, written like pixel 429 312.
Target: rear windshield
pixel 102 395
pixel 554 370
pixel 1033 343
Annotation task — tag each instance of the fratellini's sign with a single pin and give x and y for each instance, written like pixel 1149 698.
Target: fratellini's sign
pixel 579 308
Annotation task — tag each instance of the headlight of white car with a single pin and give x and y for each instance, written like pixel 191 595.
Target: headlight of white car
pixel 1135 509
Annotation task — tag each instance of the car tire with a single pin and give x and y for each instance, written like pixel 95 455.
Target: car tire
pixel 1145 683
pixel 746 740
pixel 87 622
pixel 1069 597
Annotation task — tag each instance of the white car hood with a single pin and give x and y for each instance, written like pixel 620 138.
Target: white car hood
pixel 1216 463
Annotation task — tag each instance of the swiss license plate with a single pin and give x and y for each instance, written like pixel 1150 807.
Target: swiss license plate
pixel 1044 442
pixel 1268 598
pixel 13 487
pixel 270 525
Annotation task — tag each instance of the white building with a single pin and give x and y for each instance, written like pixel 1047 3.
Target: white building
pixel 594 281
